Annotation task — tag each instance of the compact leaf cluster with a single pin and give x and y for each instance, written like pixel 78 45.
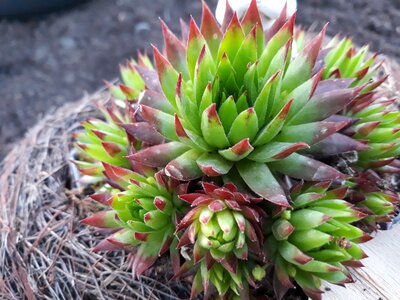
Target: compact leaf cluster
pixel 252 166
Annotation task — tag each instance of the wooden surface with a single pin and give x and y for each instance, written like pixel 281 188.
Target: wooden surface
pixel 380 278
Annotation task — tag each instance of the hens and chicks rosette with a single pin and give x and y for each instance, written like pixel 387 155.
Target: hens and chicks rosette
pixel 223 153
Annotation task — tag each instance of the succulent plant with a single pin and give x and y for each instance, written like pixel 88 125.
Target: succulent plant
pixel 223 222
pixel 142 213
pixel 315 241
pixel 382 205
pixel 341 59
pixel 102 140
pixel 132 84
pixel 376 121
pixel 200 160
pixel 240 107
pixel 110 139
pixel 375 196
pixel 378 125
pixel 224 226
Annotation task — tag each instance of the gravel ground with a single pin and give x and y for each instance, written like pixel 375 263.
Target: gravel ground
pixel 45 63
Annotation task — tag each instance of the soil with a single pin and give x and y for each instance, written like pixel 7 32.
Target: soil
pixel 49 61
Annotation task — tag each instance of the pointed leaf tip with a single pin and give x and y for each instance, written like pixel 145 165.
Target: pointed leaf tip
pixel 313 48
pixel 252 18
pixel 288 151
pixel 102 219
pixel 210 29
pixel 167 75
pixel 161 61
pixel 111 148
pixel 175 50
pixel 238 151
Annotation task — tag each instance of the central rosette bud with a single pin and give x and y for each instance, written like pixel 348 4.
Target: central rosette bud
pixel 223 223
pixel 219 228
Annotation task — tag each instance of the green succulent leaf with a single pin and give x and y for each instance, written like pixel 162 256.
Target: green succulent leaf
pixel 212 128
pixel 260 179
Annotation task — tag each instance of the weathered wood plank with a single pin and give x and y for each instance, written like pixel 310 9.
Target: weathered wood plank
pixel 380 277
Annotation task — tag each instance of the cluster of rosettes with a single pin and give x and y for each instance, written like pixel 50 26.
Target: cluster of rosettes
pixel 224 153
pixel 315 240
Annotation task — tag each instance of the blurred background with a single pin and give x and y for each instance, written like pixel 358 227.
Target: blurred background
pixel 52 59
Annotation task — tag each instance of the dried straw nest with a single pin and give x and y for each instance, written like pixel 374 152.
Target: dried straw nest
pixel 45 251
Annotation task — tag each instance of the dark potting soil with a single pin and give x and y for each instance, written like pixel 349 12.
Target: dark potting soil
pixel 45 63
